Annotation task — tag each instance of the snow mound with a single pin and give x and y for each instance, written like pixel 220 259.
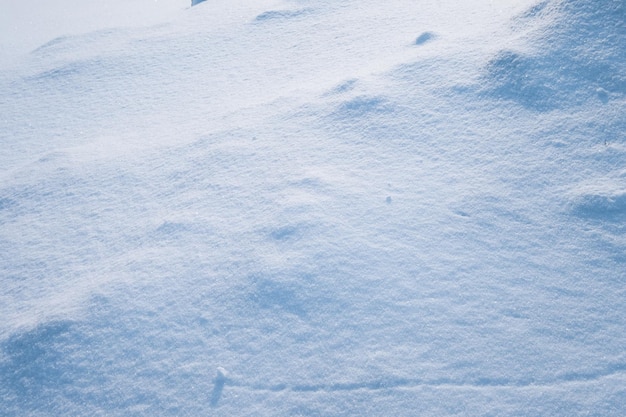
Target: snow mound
pixel 33 365
pixel 599 201
pixel 521 78
pixel 580 56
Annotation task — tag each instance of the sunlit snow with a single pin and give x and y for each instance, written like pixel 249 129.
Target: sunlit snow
pixel 313 208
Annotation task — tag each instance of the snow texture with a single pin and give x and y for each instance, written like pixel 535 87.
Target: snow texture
pixel 314 208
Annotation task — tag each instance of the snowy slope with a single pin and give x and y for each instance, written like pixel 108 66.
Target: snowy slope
pixel 26 25
pixel 318 208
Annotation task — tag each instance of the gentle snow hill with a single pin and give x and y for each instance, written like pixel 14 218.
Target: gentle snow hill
pixel 24 25
pixel 318 208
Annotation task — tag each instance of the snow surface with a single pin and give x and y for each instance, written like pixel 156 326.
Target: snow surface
pixel 313 208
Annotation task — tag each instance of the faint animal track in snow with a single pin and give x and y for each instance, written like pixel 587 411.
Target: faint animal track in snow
pixel 404 383
pixel 222 380
pixel 611 369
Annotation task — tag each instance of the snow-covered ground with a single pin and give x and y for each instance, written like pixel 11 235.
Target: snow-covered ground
pixel 313 208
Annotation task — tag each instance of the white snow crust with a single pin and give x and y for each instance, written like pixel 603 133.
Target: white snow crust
pixel 313 208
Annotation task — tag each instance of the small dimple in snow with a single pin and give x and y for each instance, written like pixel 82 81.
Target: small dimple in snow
pixel 308 182
pixel 284 233
pixel 6 203
pixel 218 386
pixel 345 86
pixel 461 213
pixel 170 228
pixel 283 296
pixel 603 95
pixel 281 14
pixel 362 105
pixel 424 37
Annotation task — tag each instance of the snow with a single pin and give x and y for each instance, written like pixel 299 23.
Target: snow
pixel 27 25
pixel 313 208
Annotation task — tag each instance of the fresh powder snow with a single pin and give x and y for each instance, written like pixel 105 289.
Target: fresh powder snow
pixel 313 208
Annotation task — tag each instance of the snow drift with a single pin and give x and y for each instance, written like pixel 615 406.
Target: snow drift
pixel 577 55
pixel 312 208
